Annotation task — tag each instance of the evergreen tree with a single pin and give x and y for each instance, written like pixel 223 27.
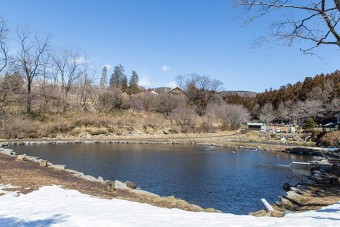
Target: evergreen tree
pixel 310 124
pixel 124 83
pixel 103 78
pixel 117 76
pixel 133 83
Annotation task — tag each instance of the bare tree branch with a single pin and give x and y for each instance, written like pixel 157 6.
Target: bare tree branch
pixel 31 59
pixel 316 22
pixel 3 45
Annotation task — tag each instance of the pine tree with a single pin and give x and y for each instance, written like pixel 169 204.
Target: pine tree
pixel 124 83
pixel 117 76
pixel 133 83
pixel 103 78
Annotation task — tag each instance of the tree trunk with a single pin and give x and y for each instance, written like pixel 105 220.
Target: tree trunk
pixel 28 100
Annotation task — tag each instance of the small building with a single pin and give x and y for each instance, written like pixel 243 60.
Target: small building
pixel 176 91
pixel 256 126
pixel 331 127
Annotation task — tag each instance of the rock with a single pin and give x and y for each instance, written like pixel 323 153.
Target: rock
pixel 59 167
pixel 100 179
pixel 20 158
pixel 286 186
pixel 277 214
pixel 43 163
pixel 120 185
pixel 145 193
pixel 110 186
pixel 131 185
pixel 90 178
pixel 4 144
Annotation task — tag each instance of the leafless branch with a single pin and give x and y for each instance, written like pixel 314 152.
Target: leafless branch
pixel 316 22
pixel 3 45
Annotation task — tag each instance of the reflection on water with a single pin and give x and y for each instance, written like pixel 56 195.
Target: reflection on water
pixel 227 180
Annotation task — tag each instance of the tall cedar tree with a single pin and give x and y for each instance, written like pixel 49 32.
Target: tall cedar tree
pixel 103 78
pixel 117 76
pixel 124 85
pixel 133 83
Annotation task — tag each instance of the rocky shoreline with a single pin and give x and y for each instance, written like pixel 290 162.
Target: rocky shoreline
pixel 116 184
pixel 288 202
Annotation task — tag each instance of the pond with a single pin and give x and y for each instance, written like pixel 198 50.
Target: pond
pixel 226 179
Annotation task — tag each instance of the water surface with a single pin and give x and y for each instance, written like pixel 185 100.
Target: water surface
pixel 232 181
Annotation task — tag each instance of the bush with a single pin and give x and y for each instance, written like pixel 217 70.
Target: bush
pixel 309 124
pixel 20 129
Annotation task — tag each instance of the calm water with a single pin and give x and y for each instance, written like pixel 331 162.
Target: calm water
pixel 227 180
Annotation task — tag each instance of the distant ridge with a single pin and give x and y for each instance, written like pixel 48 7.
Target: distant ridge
pixel 240 93
pixel 161 90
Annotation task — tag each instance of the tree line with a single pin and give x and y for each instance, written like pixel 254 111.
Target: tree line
pixel 37 78
pixel 316 97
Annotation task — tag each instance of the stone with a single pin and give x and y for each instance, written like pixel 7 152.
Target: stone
pixel 20 158
pixel 286 186
pixel 4 144
pixel 43 163
pixel 131 185
pixel 100 179
pixel 110 186
pixel 59 167
pixel 120 185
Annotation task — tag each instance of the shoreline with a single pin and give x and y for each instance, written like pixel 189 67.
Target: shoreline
pixel 30 176
pixel 218 141
pixel 279 148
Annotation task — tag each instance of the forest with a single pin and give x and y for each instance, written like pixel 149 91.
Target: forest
pixel 316 97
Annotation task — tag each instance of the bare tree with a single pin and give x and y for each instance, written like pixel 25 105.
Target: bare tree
pixel 235 115
pixel 136 102
pixel 314 21
pixel 200 90
pixel 184 116
pixel 333 107
pixel 3 45
pixel 166 102
pixel 69 66
pixel 85 82
pixel 31 59
pixel 110 100
pixel 282 112
pixel 267 114
pixel 310 109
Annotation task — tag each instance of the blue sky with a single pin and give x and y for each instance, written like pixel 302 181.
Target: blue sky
pixel 161 39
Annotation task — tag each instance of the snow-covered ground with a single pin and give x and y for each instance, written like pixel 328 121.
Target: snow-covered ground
pixel 55 206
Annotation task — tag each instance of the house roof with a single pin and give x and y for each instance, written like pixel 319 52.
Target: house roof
pixel 255 124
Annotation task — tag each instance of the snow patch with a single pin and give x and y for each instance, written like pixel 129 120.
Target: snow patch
pixel 55 206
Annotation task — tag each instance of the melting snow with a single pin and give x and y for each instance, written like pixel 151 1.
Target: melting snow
pixel 55 206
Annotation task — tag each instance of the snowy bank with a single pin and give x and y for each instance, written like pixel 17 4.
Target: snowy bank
pixel 55 206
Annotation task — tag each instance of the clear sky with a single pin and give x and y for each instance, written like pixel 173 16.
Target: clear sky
pixel 161 39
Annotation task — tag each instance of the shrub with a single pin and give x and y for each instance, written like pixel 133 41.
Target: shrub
pixel 309 124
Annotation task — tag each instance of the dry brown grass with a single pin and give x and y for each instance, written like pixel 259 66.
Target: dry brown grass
pixel 331 138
